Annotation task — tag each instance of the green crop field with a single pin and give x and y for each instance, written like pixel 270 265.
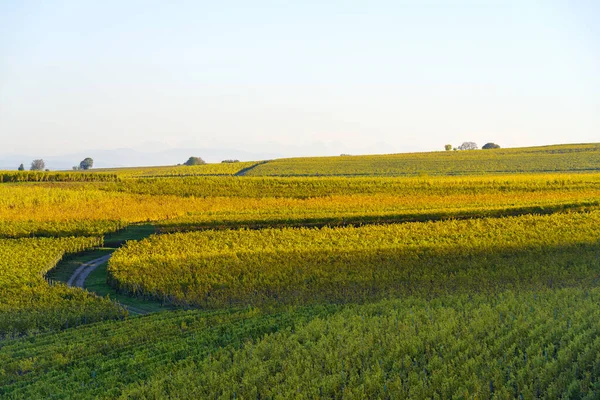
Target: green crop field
pixel 445 275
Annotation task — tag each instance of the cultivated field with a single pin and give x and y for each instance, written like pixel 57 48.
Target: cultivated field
pixel 460 274
pixel 563 158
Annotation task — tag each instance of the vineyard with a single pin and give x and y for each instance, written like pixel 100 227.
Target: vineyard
pixel 296 266
pixel 562 158
pixel 459 274
pixel 176 204
pixel 540 344
pixel 221 169
pixel 38 176
pixel 308 187
pixel 29 303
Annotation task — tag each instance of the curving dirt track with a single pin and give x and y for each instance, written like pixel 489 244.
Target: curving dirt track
pixel 81 273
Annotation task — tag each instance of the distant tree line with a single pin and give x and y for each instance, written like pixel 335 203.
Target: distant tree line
pixel 40 165
pixel 471 146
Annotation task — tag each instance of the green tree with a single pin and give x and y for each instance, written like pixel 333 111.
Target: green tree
pixel 490 146
pixel 448 147
pixel 87 163
pixel 194 161
pixel 21 167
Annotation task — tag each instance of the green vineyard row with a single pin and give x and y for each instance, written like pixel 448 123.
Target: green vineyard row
pixel 42 176
pixel 297 266
pixel 541 344
pixel 29 304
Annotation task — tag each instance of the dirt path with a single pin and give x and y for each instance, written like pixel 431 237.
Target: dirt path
pixel 78 277
pixel 81 273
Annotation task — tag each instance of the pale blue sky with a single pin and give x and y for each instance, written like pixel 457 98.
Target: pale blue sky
pixel 304 76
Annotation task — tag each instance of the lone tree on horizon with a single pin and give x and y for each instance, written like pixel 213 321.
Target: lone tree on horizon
pixel 490 146
pixel 448 147
pixel 87 163
pixel 194 161
pixel 21 167
pixel 38 165
pixel 468 146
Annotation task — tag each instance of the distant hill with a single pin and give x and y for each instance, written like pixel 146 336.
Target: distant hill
pixel 556 158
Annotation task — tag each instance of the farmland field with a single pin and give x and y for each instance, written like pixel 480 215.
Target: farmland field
pixel 460 274
pixel 560 158
pixel 222 169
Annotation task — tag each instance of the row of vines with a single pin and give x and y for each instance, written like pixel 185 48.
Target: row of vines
pixel 527 344
pixel 297 266
pixel 29 304
pixel 75 209
pixel 45 176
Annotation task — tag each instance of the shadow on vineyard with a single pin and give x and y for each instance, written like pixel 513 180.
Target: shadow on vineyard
pixel 131 232
pixel 365 275
pixel 361 220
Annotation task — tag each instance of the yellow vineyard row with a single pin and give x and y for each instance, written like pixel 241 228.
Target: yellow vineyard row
pixel 220 268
